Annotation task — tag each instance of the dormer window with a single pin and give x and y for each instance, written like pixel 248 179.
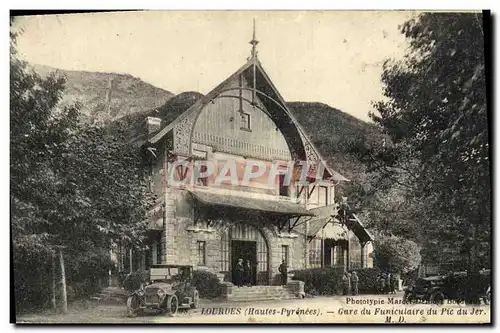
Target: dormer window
pixel 245 121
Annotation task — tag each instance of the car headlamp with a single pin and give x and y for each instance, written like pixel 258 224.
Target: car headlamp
pixel 160 293
pixel 140 292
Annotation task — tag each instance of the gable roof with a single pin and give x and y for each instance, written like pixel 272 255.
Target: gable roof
pixel 280 101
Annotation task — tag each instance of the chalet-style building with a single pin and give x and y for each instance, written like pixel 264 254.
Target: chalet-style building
pixel 210 223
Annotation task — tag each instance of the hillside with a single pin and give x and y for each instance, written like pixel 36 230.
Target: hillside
pixel 108 96
pixel 334 133
pixel 173 107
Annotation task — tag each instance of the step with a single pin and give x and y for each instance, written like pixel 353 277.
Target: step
pixel 252 299
pixel 260 292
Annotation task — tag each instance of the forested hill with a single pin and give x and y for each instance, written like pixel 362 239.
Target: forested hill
pixel 107 96
pixel 334 133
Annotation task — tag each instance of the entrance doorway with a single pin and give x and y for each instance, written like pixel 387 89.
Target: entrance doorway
pixel 248 243
pixel 246 250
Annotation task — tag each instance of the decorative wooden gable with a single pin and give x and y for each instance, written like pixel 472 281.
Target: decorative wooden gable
pixel 261 94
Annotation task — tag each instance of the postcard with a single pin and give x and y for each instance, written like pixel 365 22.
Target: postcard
pixel 251 167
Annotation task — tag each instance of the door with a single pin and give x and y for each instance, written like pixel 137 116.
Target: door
pixel 242 241
pixel 246 250
pixel 328 253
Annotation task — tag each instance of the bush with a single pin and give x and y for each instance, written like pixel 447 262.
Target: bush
pixel 134 280
pixel 207 284
pixel 321 281
pixel 396 254
pixel 328 280
pixel 367 280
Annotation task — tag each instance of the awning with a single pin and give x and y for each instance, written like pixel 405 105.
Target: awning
pixel 327 228
pixel 332 228
pixel 252 204
pixel 359 230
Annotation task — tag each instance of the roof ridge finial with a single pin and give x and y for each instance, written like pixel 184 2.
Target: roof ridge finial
pixel 254 42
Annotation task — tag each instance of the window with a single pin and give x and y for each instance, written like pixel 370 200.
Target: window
pixel 201 253
pixel 245 121
pixel 200 154
pixel 284 254
pixel 224 266
pixel 148 177
pixel 315 253
pixel 323 195
pixel 339 255
pixel 148 258
pixel 284 188
pixel 158 253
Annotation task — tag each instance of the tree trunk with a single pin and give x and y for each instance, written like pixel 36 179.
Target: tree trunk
pixel 53 300
pixel 64 297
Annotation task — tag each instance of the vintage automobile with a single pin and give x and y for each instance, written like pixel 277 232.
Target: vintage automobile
pixel 452 286
pixel 169 290
pixel 423 288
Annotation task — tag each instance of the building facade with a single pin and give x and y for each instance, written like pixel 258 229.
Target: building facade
pixel 227 175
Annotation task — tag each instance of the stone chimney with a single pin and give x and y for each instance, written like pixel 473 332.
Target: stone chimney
pixel 153 125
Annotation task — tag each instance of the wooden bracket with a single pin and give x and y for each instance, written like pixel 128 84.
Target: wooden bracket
pixel 311 191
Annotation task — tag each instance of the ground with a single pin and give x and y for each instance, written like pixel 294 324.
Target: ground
pixel 339 309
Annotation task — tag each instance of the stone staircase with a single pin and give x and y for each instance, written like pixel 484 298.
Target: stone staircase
pixel 261 293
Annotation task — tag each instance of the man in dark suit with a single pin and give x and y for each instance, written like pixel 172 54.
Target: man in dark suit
pixel 248 273
pixel 283 269
pixel 238 272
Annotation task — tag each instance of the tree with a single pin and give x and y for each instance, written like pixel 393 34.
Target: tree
pixel 396 255
pixel 435 114
pixel 72 184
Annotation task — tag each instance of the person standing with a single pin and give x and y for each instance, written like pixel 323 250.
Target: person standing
pixel 354 282
pixel 248 273
pixel 394 282
pixel 388 280
pixel 283 269
pixel 381 283
pixel 346 280
pixel 238 271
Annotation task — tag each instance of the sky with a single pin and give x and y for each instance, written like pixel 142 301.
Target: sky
pixel 333 57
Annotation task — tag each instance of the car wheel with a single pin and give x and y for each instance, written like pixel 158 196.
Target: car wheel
pixel 437 298
pixel 487 298
pixel 196 300
pixel 132 306
pixel 172 305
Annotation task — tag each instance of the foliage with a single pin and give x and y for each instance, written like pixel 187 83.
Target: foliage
pixel 321 281
pixel 134 280
pixel 207 284
pixel 367 280
pixel 432 179
pixel 395 254
pixel 74 185
pixel 328 280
